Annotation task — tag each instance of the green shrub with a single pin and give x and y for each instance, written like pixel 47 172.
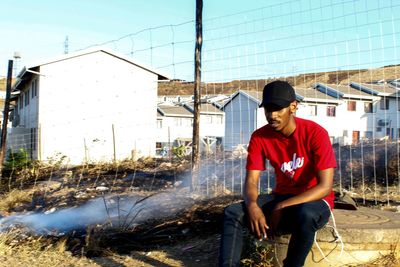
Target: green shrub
pixel 16 162
pixel 179 151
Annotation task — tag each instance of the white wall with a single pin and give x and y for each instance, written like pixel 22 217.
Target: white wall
pixel 334 129
pixel 212 125
pixel 181 127
pixel 83 97
pixel 391 116
pixel 174 128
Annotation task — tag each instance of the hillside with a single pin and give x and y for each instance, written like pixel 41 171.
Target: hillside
pixel 3 83
pixel 303 80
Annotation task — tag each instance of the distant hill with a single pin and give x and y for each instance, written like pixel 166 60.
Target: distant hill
pixel 3 83
pixel 303 80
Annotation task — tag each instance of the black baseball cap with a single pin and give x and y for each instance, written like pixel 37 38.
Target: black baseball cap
pixel 279 93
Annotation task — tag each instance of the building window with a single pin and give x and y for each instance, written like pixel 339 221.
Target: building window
pixel 331 111
pixel 188 122
pixel 218 119
pixel 33 140
pixel 208 119
pixel 351 105
pixel 21 100
pixel 159 124
pixel 384 103
pixel 345 133
pixel 34 88
pixel 26 98
pixel 368 107
pixel 379 129
pixel 312 110
pixel 178 121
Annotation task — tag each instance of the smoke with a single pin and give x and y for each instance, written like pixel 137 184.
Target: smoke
pixel 126 212
pixel 117 212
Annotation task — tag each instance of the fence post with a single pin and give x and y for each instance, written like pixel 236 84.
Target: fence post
pixel 115 154
pixel 5 116
pixel 196 96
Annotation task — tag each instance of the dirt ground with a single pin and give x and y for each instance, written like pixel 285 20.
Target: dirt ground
pixel 187 236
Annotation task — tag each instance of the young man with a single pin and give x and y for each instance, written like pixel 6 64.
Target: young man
pixel 303 159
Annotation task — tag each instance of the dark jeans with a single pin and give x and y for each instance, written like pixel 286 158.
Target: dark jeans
pixel 301 221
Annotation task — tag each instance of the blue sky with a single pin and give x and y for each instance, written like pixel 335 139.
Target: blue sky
pixel 242 39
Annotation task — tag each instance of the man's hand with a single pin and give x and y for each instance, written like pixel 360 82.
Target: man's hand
pixel 258 224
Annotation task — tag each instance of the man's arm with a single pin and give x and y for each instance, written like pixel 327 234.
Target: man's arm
pixel 258 224
pixel 321 190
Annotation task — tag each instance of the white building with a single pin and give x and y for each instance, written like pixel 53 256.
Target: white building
pixel 175 126
pixel 321 108
pixel 385 119
pixel 93 105
pixel 355 114
pixel 370 111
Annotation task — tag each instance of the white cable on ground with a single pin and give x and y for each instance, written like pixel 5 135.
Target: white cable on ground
pixel 336 233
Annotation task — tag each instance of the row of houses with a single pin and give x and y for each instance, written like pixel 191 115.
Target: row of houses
pixel 97 105
pixel 350 113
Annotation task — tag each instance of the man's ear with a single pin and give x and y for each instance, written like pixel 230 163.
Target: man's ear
pixel 293 107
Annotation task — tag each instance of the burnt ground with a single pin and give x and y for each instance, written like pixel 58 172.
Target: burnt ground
pixel 182 231
pixel 185 226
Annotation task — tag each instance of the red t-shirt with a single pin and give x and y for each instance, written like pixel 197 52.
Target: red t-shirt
pixel 296 159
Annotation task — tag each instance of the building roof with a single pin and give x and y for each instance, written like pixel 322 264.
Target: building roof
pixel 302 95
pixel 174 111
pixel 34 69
pixel 343 91
pixel 381 89
pixel 313 95
pixel 205 108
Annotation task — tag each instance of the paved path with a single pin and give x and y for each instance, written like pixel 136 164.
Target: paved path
pixel 368 235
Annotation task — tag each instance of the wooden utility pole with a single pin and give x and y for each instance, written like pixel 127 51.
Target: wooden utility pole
pixel 5 115
pixel 196 105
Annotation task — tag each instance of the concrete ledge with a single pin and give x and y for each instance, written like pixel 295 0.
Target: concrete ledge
pixel 367 234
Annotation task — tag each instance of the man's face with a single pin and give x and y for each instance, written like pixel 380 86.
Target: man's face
pixel 278 117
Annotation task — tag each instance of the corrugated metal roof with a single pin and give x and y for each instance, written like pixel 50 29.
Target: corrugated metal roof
pixel 381 88
pixel 206 108
pixel 349 91
pixel 304 94
pixel 311 93
pixel 176 111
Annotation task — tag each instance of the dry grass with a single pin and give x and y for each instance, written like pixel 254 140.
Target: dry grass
pixel 72 183
pixel 15 198
pixel 302 80
pixel 35 251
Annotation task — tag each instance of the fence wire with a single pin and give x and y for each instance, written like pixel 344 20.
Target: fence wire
pixel 333 43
